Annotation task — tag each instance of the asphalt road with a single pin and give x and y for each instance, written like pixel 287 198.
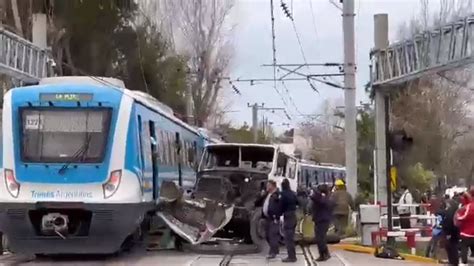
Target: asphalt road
pixel 176 258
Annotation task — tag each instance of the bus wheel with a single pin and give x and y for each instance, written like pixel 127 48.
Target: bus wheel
pixel 257 228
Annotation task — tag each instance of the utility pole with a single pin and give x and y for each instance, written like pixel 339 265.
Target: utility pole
pixel 381 42
pixel 189 104
pixel 350 95
pixel 255 108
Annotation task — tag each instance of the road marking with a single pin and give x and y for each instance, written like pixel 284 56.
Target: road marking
pixel 342 259
pixel 191 263
pixel 226 260
pixel 308 256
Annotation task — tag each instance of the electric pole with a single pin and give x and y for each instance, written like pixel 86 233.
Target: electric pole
pixel 255 108
pixel 350 95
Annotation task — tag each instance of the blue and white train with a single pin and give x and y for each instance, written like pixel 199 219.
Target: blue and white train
pixel 82 163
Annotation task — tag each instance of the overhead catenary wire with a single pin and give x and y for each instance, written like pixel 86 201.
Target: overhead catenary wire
pixel 291 98
pixel 300 43
pixel 272 17
pixel 313 18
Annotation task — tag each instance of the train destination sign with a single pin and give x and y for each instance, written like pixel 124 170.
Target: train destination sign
pixel 66 97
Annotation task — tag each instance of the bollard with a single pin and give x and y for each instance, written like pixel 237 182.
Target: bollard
pixel 411 243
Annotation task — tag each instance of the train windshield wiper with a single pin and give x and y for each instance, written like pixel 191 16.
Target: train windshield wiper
pixel 79 153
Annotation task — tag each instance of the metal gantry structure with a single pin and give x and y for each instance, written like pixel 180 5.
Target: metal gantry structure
pixel 443 48
pixel 439 49
pixel 20 59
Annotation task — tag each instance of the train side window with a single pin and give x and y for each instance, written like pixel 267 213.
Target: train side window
pixel 170 148
pixel 161 158
pixel 196 157
pixel 164 141
pixel 185 152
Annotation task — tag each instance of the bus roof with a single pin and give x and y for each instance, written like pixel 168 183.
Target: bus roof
pixel 323 166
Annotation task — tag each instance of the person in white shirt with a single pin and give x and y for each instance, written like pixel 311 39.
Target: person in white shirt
pixel 405 211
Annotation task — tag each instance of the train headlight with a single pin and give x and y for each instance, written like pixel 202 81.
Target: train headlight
pixel 12 186
pixel 111 186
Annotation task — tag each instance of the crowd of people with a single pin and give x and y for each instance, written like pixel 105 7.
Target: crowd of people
pixel 326 206
pixel 454 227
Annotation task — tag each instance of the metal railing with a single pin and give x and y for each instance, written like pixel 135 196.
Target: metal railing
pixel 21 59
pixel 442 48
pixel 428 217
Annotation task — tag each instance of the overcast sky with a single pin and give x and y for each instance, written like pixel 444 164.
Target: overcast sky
pixel 321 42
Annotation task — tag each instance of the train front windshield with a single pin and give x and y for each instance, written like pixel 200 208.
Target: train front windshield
pixel 58 135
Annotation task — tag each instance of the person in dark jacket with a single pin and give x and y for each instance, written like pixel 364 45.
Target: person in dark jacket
pixel 270 202
pixel 288 202
pixel 322 216
pixel 451 232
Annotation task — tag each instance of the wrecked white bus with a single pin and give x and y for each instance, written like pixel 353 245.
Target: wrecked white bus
pixel 222 205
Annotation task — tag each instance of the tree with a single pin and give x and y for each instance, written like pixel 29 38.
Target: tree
pixel 108 38
pixel 365 149
pixel 243 134
pixel 202 27
pixel 434 109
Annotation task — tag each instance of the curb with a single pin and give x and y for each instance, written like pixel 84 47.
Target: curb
pixel 370 250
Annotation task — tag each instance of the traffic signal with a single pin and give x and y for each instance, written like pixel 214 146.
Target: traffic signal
pixel 399 140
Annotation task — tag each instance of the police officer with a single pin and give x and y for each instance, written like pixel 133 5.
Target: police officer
pixel 288 202
pixel 271 213
pixel 322 216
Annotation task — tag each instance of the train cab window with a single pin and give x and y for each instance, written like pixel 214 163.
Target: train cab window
pixel 59 135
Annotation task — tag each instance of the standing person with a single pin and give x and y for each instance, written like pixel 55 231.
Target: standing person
pixel 437 234
pixel 405 211
pixel 465 221
pixel 451 232
pixel 343 205
pixel 271 213
pixel 322 216
pixel 288 202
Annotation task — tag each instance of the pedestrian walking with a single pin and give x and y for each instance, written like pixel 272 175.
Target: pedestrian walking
pixel 343 205
pixel 288 202
pixel 465 221
pixel 405 211
pixel 271 212
pixel 322 216
pixel 437 234
pixel 451 232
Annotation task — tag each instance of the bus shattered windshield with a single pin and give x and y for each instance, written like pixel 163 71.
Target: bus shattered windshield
pixel 230 156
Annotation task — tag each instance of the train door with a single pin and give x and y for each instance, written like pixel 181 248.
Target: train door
pixel 178 158
pixel 146 159
pixel 154 158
